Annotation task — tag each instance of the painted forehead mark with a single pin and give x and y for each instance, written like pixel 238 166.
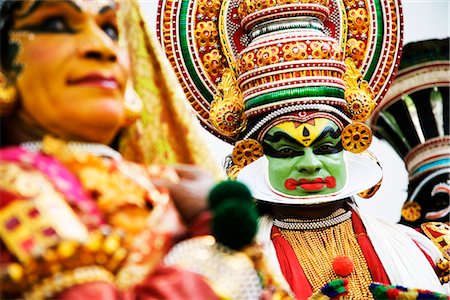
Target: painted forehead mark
pixel 304 133
pixel 91 6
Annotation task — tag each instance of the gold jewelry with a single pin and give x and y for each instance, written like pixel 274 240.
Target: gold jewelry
pixel 244 152
pixel 62 281
pixel 335 218
pixel 366 194
pixel 369 193
pixel 439 234
pixel 411 211
pixel 227 109
pixel 133 105
pixel 53 145
pixel 316 250
pixel 358 94
pixel 356 137
pixel 8 96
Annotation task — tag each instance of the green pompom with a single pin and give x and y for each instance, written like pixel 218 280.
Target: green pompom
pixel 228 189
pixel 235 222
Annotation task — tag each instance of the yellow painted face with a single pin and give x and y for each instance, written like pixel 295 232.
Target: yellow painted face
pixel 70 71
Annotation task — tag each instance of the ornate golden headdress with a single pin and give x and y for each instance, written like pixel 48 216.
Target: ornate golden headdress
pixel 245 63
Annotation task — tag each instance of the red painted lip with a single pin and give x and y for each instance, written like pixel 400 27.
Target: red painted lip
pixel 97 80
pixel 310 185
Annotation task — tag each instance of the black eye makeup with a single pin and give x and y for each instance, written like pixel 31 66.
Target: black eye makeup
pixel 52 24
pixel 111 30
pixel 281 151
pixel 65 17
pixel 281 145
pixel 328 148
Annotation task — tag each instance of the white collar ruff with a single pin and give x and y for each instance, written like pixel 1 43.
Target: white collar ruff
pixel 362 174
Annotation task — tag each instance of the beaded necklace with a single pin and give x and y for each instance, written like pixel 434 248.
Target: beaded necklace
pixel 122 191
pixel 317 248
pixel 92 148
pixel 336 217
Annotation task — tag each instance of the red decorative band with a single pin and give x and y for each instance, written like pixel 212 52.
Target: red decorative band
pixel 336 67
pixel 270 54
pixel 269 84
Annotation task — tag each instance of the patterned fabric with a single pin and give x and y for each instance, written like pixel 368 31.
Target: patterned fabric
pixel 381 291
pixel 63 201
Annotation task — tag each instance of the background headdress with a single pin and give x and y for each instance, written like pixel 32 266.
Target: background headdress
pixel 414 118
pixel 244 63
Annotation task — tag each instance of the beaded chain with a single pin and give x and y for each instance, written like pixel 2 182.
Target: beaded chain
pixel 92 148
pixel 337 217
pixel 64 280
pixel 316 250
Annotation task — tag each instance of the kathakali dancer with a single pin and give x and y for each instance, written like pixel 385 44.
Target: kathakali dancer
pixel 414 118
pixel 290 84
pixel 77 219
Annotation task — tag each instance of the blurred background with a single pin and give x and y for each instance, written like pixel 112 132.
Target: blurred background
pixel 423 19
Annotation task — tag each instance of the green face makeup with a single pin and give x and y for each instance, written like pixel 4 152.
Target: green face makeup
pixel 305 158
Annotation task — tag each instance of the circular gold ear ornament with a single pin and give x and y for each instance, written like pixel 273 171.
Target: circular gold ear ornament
pixel 356 137
pixel 411 211
pixel 246 152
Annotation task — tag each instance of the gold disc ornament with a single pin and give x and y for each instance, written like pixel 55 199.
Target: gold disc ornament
pixel 356 137
pixel 411 211
pixel 369 193
pixel 246 152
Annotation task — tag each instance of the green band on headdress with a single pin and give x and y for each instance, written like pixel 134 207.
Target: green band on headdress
pixel 311 91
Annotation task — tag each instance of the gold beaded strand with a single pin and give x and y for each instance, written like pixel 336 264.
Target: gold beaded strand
pixel 316 250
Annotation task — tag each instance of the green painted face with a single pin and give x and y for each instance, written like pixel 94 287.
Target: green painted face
pixel 305 158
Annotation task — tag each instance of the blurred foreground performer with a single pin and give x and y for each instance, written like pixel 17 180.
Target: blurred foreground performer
pixel 289 84
pixel 78 220
pixel 414 118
